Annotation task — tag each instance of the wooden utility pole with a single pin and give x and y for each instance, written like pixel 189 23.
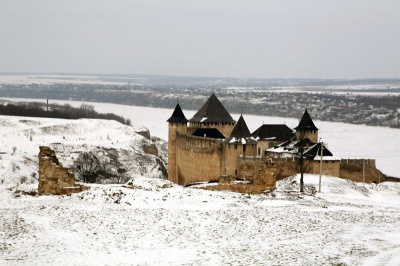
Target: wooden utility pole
pixel 320 167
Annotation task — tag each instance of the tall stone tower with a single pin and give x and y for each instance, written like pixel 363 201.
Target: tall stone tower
pixel 306 128
pixel 240 142
pixel 177 122
pixel 213 115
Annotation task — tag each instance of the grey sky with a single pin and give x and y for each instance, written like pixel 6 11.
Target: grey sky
pixel 268 38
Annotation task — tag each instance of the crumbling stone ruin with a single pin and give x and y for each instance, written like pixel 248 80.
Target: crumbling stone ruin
pixel 53 177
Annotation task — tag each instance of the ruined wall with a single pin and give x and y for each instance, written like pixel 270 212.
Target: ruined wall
pixel 284 167
pixel 248 166
pixel 198 159
pixel 53 178
pixel 258 172
pixel 265 177
pixel 352 169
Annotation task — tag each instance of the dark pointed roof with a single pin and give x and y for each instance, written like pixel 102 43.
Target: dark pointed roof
pixel 177 116
pixel 312 152
pixel 208 133
pixel 212 112
pixel 240 130
pixel 306 123
pixel 315 150
pixel 273 132
pixel 241 133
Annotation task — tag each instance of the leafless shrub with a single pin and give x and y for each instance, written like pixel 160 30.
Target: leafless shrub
pixel 34 175
pixel 23 179
pixel 14 166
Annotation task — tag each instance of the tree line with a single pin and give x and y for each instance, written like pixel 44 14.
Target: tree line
pixel 65 111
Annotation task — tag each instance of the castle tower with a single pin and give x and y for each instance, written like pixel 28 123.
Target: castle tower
pixel 306 128
pixel 240 142
pixel 213 115
pixel 177 122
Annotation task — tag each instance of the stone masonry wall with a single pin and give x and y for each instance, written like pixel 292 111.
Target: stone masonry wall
pixel 198 159
pixel 258 172
pixel 352 169
pixel 331 168
pixel 53 178
pixel 172 161
pixel 231 156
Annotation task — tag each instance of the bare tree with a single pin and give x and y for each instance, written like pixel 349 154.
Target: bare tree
pixel 87 166
pixel 302 161
pixel 114 169
pixel 87 107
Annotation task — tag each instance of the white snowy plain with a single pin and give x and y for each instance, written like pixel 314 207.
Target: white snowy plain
pixel 159 223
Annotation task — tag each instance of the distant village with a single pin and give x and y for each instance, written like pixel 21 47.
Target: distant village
pixel 379 107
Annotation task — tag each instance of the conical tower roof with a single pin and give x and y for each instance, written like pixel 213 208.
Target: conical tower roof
pixel 241 133
pixel 306 123
pixel 212 112
pixel 240 130
pixel 177 116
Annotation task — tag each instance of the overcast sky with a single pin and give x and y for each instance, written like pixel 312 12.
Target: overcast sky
pixel 215 38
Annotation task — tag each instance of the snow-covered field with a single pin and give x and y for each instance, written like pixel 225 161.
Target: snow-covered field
pixel 158 223
pixel 344 140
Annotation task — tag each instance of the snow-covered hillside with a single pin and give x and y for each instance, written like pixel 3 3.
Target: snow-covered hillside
pixel 159 223
pixel 20 138
pixel 344 140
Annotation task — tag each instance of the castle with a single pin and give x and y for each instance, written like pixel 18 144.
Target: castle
pixel 212 145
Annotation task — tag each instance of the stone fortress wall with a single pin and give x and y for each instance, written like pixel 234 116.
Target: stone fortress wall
pixel 358 170
pixel 205 159
pixel 199 158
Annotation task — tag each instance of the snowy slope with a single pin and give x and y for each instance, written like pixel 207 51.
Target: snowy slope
pixel 344 140
pixel 68 138
pixel 158 223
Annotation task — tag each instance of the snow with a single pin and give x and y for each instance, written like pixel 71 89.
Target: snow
pixel 155 222
pixel 326 158
pixel 159 223
pixel 20 138
pixel 345 140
